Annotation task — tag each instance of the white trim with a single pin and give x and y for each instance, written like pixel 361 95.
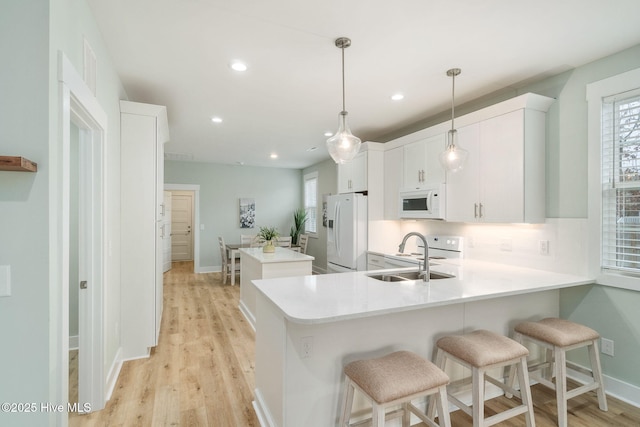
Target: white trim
pixel 621 390
pixel 114 373
pixel 210 269
pixel 596 91
pixel 196 219
pixel 247 315
pixel 262 411
pixel 77 105
pixel 73 342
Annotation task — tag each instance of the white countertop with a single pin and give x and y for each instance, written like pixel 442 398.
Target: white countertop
pixel 280 255
pixel 341 296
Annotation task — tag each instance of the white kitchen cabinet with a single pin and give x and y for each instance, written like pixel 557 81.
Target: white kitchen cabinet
pixel 503 178
pixel 143 132
pixel 393 170
pixel 421 165
pixel 352 176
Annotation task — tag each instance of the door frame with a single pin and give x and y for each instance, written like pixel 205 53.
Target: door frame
pixel 78 105
pixel 196 219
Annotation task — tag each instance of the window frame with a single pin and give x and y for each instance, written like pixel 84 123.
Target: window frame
pixel 308 177
pixel 596 93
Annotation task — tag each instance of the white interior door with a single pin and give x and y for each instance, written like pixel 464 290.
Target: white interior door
pixel 166 232
pixel 182 225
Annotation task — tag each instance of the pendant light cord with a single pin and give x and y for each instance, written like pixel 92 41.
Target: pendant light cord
pixel 453 91
pixel 343 90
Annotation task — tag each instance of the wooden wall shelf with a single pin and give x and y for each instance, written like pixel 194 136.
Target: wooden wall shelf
pixel 19 164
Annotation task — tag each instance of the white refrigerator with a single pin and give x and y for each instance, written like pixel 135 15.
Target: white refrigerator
pixel 346 233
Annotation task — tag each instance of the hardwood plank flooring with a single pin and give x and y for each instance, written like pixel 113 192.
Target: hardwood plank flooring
pixel 202 371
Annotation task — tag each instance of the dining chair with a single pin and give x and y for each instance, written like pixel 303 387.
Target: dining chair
pixel 303 239
pixel 247 239
pixel 226 262
pixel 284 241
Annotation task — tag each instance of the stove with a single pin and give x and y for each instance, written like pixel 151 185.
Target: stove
pixel 440 247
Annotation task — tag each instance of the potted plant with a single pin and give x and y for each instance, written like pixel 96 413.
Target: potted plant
pixel 299 218
pixel 268 234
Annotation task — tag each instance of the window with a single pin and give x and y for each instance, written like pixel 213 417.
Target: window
pixel 311 202
pixel 620 161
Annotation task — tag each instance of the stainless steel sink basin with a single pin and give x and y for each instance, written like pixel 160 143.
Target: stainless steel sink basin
pixel 401 276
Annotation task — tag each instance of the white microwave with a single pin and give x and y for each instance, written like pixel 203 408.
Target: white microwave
pixel 428 202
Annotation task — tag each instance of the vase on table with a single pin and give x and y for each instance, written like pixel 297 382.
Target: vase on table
pixel 268 247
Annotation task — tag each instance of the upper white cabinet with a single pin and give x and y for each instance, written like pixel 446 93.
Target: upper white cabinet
pixel 503 179
pixel 421 165
pixel 352 176
pixel 143 132
pixel 365 174
pixel 393 173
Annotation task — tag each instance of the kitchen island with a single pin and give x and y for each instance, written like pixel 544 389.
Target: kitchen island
pixel 256 264
pixel 308 328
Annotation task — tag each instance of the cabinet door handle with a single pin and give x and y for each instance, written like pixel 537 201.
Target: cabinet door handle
pixel 475 210
pixel 480 210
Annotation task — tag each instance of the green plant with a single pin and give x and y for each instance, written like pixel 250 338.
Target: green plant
pixel 299 218
pixel 268 233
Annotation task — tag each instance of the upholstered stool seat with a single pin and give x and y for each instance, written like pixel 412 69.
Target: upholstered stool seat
pixel 482 351
pixel 392 380
pixel 558 336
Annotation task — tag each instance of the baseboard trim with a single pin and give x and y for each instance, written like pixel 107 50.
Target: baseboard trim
pixel 262 412
pixel 209 269
pixel 74 342
pixel 114 373
pixel 614 387
pixel 247 315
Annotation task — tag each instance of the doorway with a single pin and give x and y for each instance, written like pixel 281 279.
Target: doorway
pixel 196 226
pixel 82 118
pixel 182 225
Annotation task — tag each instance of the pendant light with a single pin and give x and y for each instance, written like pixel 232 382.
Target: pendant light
pixel 453 157
pixel 343 145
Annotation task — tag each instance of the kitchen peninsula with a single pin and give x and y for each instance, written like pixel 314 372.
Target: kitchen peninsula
pixel 308 328
pixel 256 264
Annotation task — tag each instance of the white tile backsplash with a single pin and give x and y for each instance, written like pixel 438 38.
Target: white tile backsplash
pixel 513 244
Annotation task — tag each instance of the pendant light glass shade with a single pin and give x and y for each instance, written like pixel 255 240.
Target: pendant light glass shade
pixel 453 157
pixel 343 146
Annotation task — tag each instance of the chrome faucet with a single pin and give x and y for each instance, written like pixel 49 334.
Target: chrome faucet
pixel 424 271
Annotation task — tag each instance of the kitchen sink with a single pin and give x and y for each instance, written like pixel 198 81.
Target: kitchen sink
pixel 402 276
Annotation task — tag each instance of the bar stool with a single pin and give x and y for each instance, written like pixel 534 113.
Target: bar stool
pixel 395 379
pixel 558 336
pixel 481 351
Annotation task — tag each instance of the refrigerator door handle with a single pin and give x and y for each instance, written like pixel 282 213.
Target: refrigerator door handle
pixel 336 229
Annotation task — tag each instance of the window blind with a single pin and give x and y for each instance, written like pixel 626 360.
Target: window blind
pixel 311 203
pixel 621 182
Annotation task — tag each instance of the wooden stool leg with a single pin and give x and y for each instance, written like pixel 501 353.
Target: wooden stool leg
pixel 477 397
pixel 511 378
pixel 378 415
pixel 525 390
pixel 444 420
pixel 347 402
pixel 594 357
pixel 406 415
pixel 440 362
pixel 561 385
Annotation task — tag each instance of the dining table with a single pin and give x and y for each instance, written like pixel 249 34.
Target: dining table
pixel 233 253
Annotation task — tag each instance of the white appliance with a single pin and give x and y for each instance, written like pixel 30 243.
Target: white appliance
pixel 346 233
pixel 428 202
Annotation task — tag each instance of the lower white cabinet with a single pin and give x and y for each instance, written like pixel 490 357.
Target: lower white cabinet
pixel 144 130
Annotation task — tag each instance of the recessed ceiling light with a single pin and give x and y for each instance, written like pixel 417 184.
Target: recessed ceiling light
pixel 328 134
pixel 216 119
pixel 274 156
pixel 238 66
pixel 397 96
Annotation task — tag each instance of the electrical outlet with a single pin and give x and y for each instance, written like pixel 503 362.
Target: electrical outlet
pixel 306 344
pixel 606 346
pixel 544 247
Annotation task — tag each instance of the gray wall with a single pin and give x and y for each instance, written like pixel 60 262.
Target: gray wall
pixel 277 193
pixel 32 32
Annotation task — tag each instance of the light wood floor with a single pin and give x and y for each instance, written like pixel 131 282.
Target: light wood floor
pixel 202 371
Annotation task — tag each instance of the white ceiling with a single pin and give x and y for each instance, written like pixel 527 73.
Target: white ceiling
pixel 177 53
